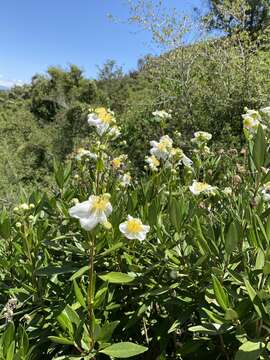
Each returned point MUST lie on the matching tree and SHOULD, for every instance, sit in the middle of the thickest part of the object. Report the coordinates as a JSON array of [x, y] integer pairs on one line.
[[229, 15], [110, 71]]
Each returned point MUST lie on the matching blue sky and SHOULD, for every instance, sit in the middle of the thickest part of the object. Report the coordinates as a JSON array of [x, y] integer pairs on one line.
[[37, 34]]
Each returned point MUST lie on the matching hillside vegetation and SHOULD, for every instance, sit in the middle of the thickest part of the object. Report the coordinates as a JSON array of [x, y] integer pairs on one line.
[[204, 86], [135, 218]]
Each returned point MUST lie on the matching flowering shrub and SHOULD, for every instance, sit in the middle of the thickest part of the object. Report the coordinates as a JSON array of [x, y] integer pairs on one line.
[[173, 264]]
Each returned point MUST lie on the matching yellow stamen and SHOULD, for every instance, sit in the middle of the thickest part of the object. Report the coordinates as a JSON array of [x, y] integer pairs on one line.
[[104, 115], [100, 203], [134, 226]]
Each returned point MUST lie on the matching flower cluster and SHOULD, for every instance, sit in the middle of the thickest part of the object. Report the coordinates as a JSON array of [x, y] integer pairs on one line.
[[162, 114], [198, 188], [163, 150], [24, 207], [104, 122], [125, 179], [9, 308], [152, 162], [83, 153], [118, 161], [201, 138], [96, 210]]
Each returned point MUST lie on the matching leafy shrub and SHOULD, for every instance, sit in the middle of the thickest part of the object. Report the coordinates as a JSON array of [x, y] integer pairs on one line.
[[185, 275]]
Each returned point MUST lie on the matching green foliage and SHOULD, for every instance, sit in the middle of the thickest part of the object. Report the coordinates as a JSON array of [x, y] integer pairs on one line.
[[250, 15], [196, 288]]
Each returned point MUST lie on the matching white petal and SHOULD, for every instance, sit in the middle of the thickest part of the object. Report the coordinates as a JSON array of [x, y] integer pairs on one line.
[[80, 210], [109, 209], [88, 223], [123, 227], [141, 236], [130, 236], [146, 228], [186, 161], [102, 128], [154, 143], [93, 120]]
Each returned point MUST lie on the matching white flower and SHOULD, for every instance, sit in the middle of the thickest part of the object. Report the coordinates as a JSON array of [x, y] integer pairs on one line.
[[133, 228], [201, 137], [251, 121], [92, 212], [118, 161], [227, 190], [178, 155], [162, 114], [125, 180], [114, 133], [252, 113], [162, 149], [102, 119], [265, 191], [200, 187], [250, 124], [153, 162], [186, 161], [80, 153]]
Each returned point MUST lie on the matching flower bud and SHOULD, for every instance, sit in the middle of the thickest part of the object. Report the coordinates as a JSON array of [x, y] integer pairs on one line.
[[237, 179], [107, 225], [24, 207]]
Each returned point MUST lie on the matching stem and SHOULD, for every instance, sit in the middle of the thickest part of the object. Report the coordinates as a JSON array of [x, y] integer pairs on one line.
[[90, 299], [223, 347]]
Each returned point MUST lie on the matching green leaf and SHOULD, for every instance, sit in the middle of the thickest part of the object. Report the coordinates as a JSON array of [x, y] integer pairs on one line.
[[78, 294], [174, 326], [124, 350], [253, 297], [111, 249], [250, 350], [175, 213], [99, 165], [266, 268], [79, 273], [106, 331], [231, 238], [260, 260], [117, 278], [61, 340], [201, 242], [220, 294], [231, 315], [55, 270], [211, 328], [65, 322], [23, 340], [5, 228], [10, 352], [8, 337], [259, 149]]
